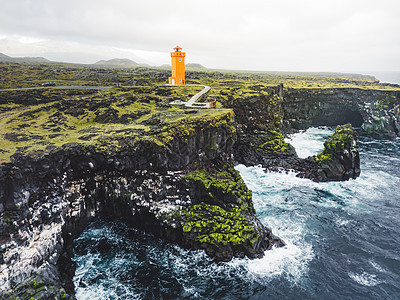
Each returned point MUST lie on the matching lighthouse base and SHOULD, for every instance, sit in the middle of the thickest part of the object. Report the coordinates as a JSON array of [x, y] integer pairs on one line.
[[176, 81]]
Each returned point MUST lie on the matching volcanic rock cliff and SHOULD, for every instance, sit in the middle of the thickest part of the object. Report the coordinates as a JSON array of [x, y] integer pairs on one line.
[[71, 156], [176, 180]]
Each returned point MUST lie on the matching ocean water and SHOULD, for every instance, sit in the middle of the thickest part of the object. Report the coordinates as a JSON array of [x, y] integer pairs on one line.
[[342, 238], [387, 77]]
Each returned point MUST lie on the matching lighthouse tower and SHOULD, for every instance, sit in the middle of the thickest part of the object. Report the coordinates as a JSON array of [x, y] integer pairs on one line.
[[177, 67]]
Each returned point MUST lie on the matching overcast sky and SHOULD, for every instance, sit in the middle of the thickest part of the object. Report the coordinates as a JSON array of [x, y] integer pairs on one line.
[[278, 35]]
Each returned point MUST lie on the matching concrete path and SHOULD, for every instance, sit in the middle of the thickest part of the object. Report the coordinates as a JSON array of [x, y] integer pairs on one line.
[[192, 101]]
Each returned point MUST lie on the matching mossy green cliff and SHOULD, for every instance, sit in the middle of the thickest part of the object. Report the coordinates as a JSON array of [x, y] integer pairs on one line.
[[68, 156], [223, 221]]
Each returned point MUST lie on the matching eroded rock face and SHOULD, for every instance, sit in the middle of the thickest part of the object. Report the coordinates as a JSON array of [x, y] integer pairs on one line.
[[259, 138], [340, 159], [31, 241], [375, 111]]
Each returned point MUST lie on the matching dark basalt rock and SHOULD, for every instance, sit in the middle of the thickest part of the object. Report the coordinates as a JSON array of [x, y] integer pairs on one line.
[[255, 145], [261, 120], [340, 159]]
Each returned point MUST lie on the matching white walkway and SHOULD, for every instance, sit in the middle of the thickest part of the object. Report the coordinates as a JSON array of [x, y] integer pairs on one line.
[[192, 101]]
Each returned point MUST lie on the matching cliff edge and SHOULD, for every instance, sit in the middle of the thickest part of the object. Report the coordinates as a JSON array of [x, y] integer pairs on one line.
[[71, 156]]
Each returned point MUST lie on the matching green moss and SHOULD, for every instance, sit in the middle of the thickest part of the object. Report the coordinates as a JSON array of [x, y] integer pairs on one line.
[[214, 225], [342, 136], [275, 143], [223, 216], [35, 287], [35, 283], [386, 102], [51, 117], [322, 158], [109, 121], [222, 185]]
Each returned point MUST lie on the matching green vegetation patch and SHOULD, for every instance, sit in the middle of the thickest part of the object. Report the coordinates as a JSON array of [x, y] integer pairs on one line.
[[223, 186], [386, 103], [275, 143], [35, 287], [214, 225], [222, 216], [342, 136]]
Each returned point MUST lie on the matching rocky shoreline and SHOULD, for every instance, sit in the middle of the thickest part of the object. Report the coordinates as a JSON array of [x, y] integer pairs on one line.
[[185, 190], [170, 190]]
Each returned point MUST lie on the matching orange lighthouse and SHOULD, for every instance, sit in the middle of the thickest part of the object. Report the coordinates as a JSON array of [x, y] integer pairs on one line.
[[177, 67]]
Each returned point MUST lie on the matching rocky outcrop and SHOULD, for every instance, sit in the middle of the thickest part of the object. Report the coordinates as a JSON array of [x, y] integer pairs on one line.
[[340, 159], [177, 182], [260, 140], [169, 189]]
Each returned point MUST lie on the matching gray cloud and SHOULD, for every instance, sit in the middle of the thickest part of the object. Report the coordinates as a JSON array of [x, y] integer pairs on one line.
[[311, 35]]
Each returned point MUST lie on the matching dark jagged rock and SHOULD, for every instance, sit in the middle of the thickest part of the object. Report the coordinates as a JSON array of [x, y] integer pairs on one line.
[[223, 221], [340, 159], [172, 179], [38, 287], [258, 120]]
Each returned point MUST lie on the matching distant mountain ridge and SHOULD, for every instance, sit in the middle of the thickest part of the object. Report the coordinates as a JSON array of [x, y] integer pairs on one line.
[[195, 67], [128, 63], [189, 66], [6, 58], [119, 62]]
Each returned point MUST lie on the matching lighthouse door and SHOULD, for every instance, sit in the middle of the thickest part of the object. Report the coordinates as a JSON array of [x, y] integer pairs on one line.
[[173, 81]]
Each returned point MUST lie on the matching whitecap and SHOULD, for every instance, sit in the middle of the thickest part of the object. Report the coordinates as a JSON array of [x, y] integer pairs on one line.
[[364, 278], [376, 266], [270, 190], [341, 222], [290, 262]]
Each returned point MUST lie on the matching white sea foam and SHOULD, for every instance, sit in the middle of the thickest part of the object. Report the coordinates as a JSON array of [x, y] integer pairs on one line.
[[309, 142], [364, 278], [284, 190], [376, 266], [277, 211], [288, 205], [342, 222], [290, 262], [279, 201]]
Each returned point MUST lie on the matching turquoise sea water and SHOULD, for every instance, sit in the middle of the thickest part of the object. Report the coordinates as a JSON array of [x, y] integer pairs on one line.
[[342, 241]]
